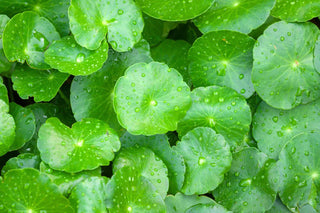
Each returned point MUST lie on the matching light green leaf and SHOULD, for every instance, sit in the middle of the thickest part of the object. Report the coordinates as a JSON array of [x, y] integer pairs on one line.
[[3, 92], [223, 58], [5, 65], [178, 10], [26, 37], [147, 163], [317, 55], [207, 156], [283, 72], [151, 98], [7, 128], [222, 109], [91, 20], [25, 160], [89, 144], [69, 57], [43, 85], [26, 190], [207, 208], [246, 187]]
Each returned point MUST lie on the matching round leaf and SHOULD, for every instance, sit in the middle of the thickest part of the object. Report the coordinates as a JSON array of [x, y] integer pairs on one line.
[[297, 173], [206, 208], [207, 156], [88, 145], [25, 125], [26, 37], [5, 65], [160, 146], [92, 96], [272, 128], [175, 55], [297, 10], [317, 55], [26, 160], [147, 163], [3, 92], [135, 193], [177, 10], [151, 98], [246, 187], [236, 15], [26, 190], [283, 72], [43, 85], [121, 20], [223, 58], [74, 59], [220, 108], [94, 190], [7, 128]]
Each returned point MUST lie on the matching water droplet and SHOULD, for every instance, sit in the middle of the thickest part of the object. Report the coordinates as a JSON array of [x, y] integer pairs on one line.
[[275, 119], [120, 12], [80, 57]]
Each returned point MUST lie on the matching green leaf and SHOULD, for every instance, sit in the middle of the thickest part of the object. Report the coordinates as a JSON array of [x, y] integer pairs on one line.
[[220, 108], [283, 72], [69, 57], [43, 85], [278, 207], [207, 156], [160, 146], [296, 11], [94, 190], [92, 95], [25, 125], [26, 160], [180, 202], [91, 20], [236, 15], [151, 98], [147, 164], [135, 193], [56, 13], [204, 208], [5, 65], [25, 38], [317, 55], [223, 58], [67, 181], [89, 144], [272, 128], [246, 181], [178, 10], [3, 92], [175, 55], [297, 173], [7, 128], [26, 190]]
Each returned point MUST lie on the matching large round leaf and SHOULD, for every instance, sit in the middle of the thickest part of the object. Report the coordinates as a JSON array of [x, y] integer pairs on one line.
[[89, 144], [69, 57], [135, 193], [207, 156], [5, 65], [92, 96], [223, 58], [236, 15], [91, 20], [272, 128], [26, 37], [26, 190], [283, 72], [246, 187], [151, 98], [297, 173], [175, 55], [25, 160], [57, 13], [94, 200], [43, 85], [147, 163], [296, 10], [7, 128], [220, 108], [159, 144], [174, 10], [25, 125]]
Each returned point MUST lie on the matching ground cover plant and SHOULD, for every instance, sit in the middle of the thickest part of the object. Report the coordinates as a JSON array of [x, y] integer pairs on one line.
[[178, 106]]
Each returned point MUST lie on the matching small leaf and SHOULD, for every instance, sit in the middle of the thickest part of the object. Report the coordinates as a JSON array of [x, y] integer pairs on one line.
[[5, 65], [25, 160], [202, 208], [7, 128], [89, 144]]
